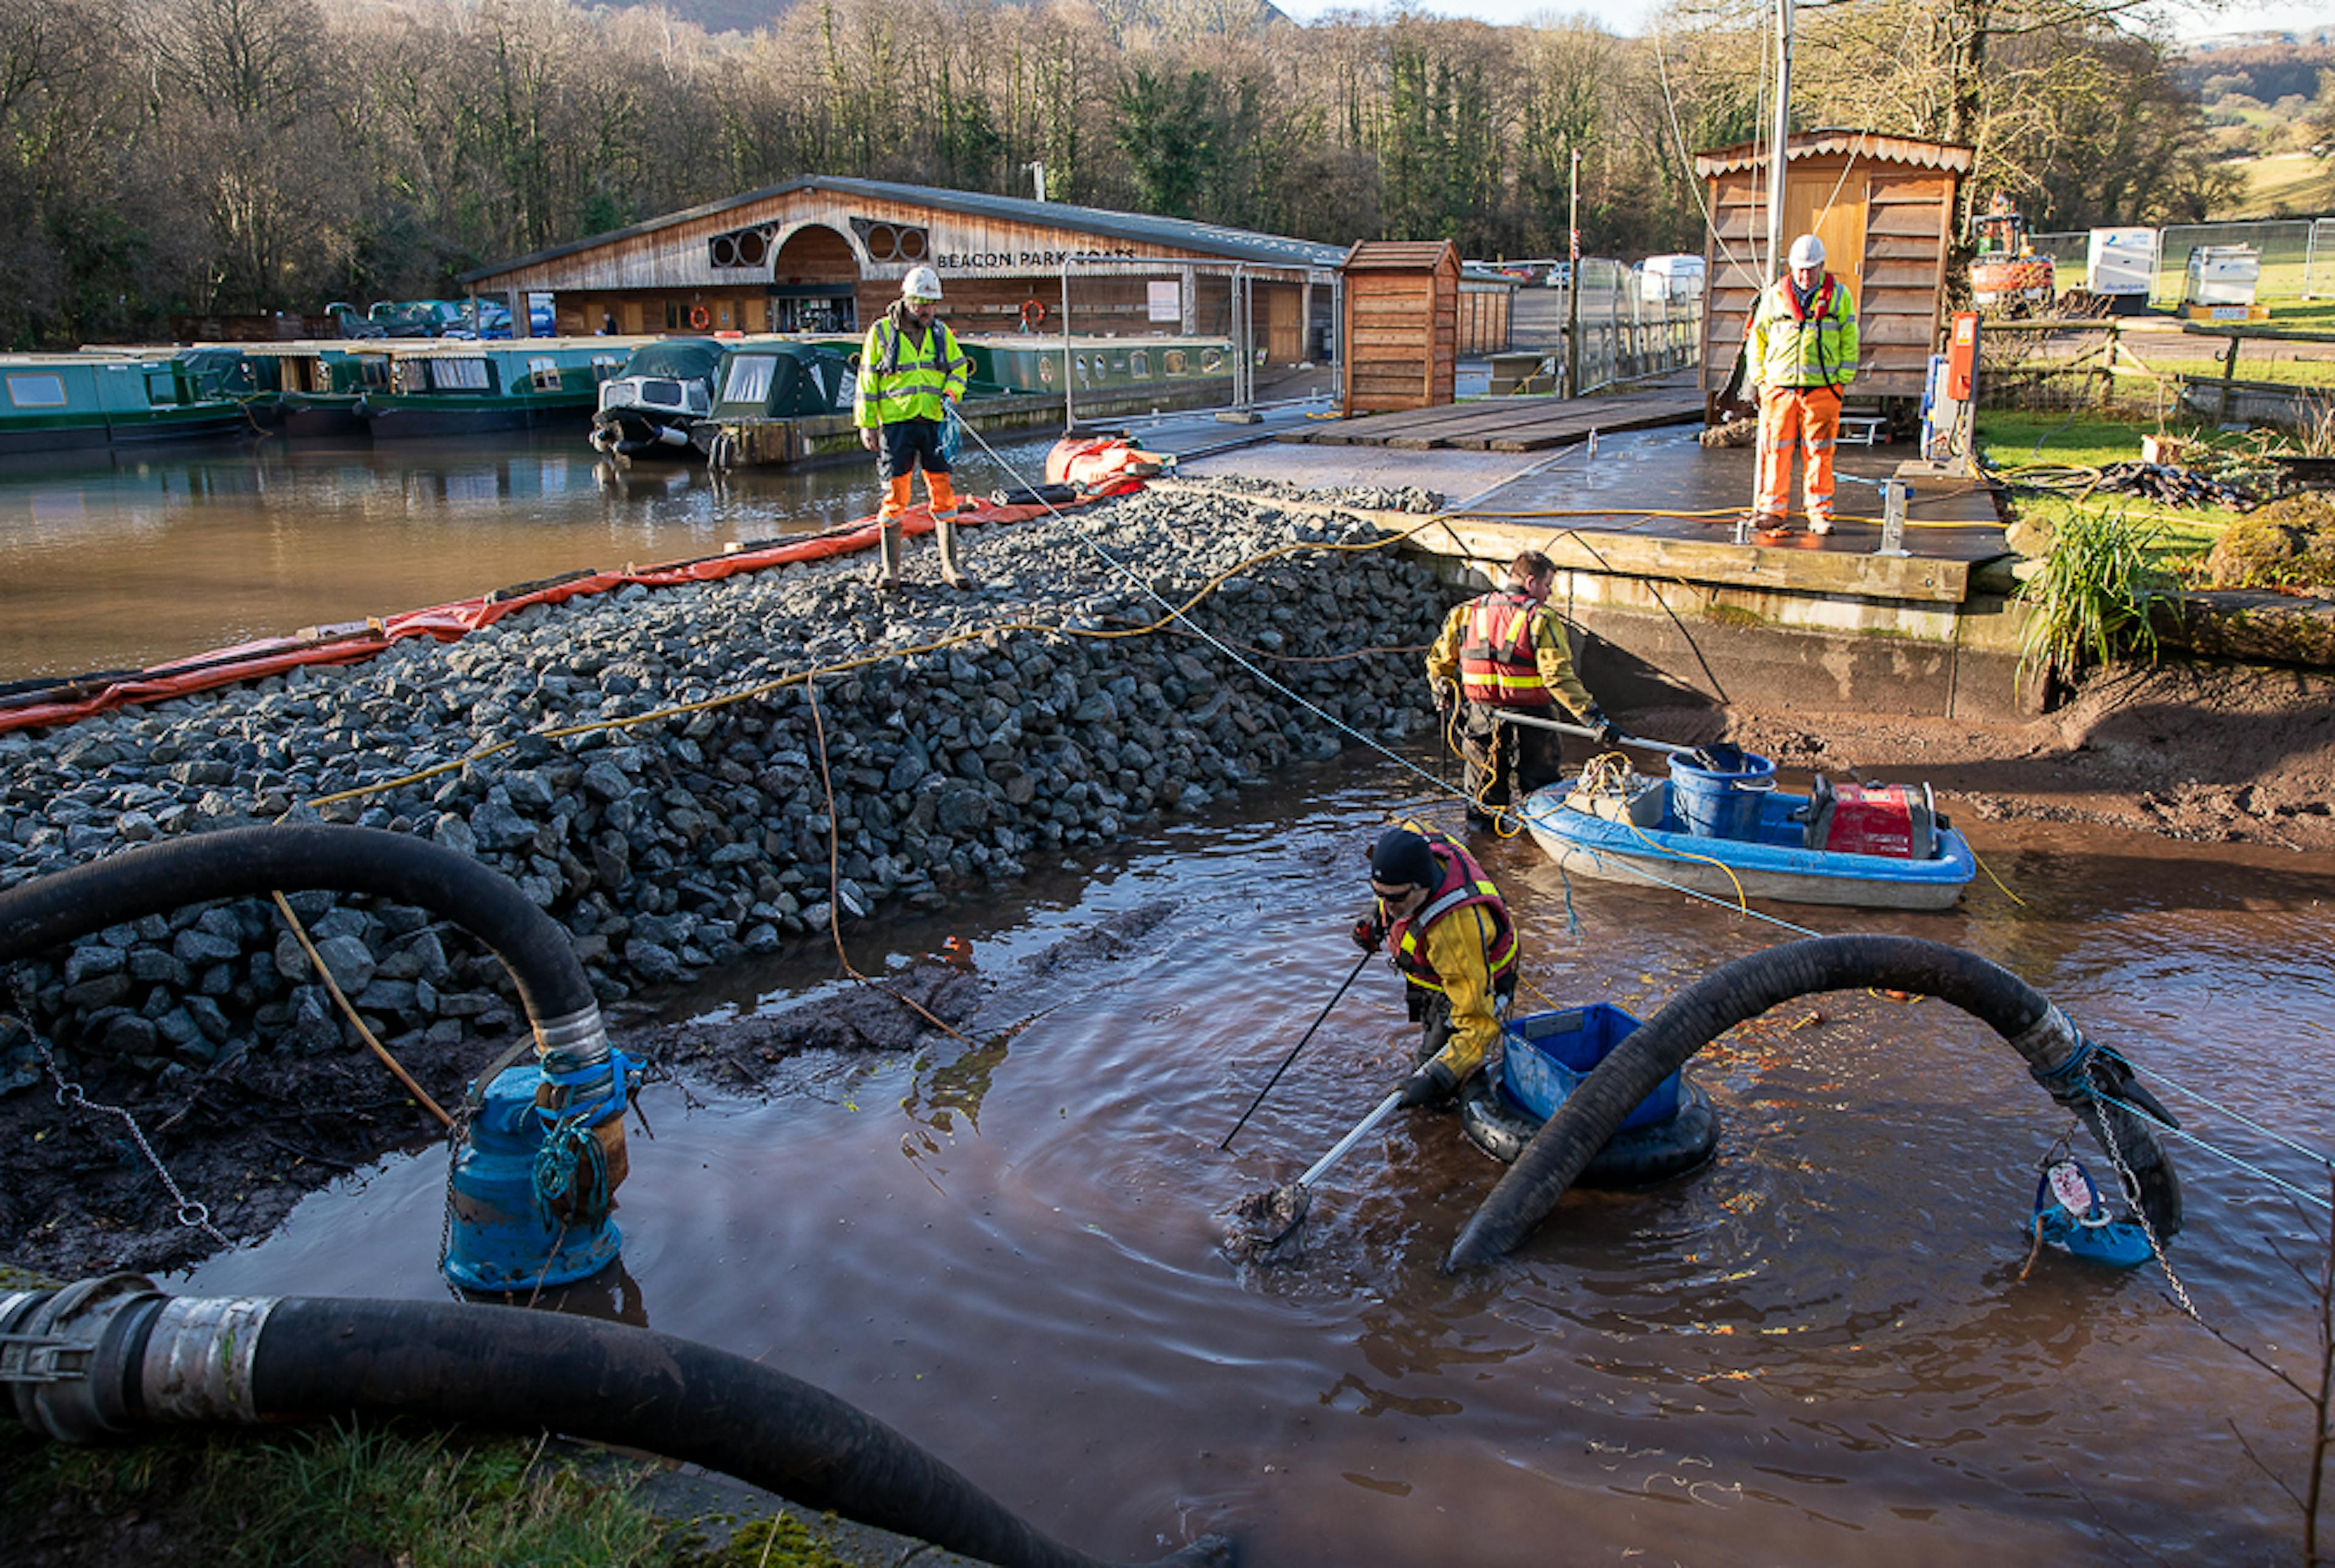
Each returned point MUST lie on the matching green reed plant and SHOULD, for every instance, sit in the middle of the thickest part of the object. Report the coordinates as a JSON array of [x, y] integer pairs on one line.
[[2092, 602]]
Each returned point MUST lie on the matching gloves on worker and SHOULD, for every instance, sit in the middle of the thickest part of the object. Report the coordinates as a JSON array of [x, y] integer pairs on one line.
[[1432, 1084], [1369, 932], [1606, 730], [1446, 699]]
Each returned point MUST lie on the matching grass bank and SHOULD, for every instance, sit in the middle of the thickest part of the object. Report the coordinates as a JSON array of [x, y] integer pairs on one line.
[[2051, 459], [355, 1497]]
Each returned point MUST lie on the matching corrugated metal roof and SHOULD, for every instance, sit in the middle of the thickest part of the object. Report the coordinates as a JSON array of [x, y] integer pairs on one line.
[[1400, 254], [1867, 146], [1233, 244]]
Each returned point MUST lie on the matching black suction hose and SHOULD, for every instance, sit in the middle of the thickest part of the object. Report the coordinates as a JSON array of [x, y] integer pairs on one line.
[[2060, 1058], [248, 862], [128, 1357]]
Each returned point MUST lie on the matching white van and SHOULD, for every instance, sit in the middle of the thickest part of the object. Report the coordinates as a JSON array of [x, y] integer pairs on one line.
[[1671, 279]]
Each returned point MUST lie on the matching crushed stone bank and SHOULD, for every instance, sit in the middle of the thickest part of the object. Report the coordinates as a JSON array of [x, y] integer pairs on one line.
[[668, 849]]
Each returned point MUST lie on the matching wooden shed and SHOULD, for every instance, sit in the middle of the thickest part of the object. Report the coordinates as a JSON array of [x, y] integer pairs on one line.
[[1402, 324], [1883, 207]]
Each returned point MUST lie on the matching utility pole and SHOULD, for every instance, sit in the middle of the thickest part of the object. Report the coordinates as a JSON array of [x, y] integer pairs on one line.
[[1777, 140], [1572, 282]]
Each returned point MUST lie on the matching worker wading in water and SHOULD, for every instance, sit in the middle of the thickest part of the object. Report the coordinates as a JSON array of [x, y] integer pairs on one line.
[[1447, 932], [911, 375], [1803, 350], [1504, 650]]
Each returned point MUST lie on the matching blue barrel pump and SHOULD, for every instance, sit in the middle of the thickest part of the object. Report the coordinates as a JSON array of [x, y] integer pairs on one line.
[[530, 1198]]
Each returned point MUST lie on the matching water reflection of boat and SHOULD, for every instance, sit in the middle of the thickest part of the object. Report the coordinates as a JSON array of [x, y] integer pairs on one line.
[[49, 402]]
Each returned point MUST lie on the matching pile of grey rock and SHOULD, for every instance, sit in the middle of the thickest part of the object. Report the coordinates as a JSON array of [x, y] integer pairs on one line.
[[675, 846]]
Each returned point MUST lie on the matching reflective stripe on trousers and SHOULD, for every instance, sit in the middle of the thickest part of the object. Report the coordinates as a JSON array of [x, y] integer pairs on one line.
[[1792, 420]]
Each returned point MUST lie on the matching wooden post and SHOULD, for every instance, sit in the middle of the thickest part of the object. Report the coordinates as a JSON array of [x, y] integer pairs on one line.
[[2229, 370]]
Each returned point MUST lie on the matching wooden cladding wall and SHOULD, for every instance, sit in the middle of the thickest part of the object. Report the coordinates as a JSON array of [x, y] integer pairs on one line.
[[1403, 326], [1907, 229], [959, 246]]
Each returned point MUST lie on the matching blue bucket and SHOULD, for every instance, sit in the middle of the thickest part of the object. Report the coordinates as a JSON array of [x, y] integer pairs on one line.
[[1545, 1055], [1716, 805]]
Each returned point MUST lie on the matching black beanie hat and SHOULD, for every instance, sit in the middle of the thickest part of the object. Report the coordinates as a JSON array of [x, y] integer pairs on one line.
[[1403, 860]]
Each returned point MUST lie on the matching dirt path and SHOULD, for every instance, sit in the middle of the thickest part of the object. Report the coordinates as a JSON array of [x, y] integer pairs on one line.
[[2194, 751]]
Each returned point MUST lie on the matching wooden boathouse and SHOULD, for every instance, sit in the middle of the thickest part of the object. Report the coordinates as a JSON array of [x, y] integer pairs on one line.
[[821, 254], [1883, 207]]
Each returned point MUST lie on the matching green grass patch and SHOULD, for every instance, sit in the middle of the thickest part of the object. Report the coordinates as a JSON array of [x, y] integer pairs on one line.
[[2045, 445], [2305, 314], [342, 1495]]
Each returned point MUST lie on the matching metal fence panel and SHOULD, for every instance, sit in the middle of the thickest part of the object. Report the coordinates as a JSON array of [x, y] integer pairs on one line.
[[2298, 254]]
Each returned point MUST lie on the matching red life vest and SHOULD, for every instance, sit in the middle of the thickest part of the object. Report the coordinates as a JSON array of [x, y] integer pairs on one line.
[[1464, 885], [1496, 664]]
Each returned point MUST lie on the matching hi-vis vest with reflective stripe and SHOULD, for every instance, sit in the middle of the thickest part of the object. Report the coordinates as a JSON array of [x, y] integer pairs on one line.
[[1797, 347], [1496, 664], [1464, 887], [898, 381]]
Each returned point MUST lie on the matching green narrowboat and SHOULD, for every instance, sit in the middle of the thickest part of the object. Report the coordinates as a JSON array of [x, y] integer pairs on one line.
[[109, 398], [459, 388], [1032, 362]]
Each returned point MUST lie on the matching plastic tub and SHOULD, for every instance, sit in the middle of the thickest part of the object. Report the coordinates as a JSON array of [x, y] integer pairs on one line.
[[1721, 805], [1545, 1055]]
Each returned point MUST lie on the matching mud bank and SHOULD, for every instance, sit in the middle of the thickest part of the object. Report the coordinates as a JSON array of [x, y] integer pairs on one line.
[[1051, 721], [2206, 751]]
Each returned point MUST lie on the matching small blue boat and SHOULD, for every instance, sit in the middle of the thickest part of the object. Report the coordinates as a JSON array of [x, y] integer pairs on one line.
[[1770, 862]]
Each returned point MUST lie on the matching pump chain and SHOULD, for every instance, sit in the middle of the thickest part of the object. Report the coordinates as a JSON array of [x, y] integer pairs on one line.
[[2102, 1104], [193, 1216]]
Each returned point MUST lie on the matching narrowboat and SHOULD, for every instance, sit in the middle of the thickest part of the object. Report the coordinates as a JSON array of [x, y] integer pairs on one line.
[[317, 386], [1030, 362], [463, 388], [109, 397]]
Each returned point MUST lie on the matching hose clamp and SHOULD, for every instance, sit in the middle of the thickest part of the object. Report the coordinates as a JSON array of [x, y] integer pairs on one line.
[[62, 1354], [199, 1360], [573, 1043], [2056, 1055]]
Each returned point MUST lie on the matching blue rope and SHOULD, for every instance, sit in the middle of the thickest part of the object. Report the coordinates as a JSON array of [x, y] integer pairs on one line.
[[2222, 1153], [570, 1173], [2240, 1116]]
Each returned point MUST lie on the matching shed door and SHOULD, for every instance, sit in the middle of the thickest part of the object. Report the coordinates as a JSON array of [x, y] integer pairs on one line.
[[1840, 225], [1285, 327]]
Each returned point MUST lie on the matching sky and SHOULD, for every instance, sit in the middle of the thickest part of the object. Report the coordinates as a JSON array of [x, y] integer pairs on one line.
[[1633, 16]]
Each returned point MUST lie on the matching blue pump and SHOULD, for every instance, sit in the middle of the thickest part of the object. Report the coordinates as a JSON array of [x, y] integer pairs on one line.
[[521, 1169]]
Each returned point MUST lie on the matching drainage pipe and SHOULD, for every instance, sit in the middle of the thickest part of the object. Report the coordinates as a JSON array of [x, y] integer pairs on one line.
[[2078, 1074], [111, 1355], [248, 862]]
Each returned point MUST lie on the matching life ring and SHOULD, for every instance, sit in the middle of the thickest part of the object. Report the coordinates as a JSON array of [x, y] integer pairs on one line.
[[1033, 314], [1638, 1158], [700, 318]]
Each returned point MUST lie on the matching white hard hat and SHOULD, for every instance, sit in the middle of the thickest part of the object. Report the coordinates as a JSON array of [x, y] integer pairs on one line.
[[922, 283], [1807, 251]]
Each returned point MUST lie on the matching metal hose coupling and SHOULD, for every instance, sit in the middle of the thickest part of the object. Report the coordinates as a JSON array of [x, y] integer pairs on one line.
[[105, 1355], [583, 1078], [2073, 1069]]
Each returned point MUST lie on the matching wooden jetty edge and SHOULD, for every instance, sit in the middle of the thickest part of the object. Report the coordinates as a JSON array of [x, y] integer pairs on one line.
[[1509, 424]]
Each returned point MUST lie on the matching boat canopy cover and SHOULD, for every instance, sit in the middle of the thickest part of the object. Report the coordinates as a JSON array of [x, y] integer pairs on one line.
[[781, 381], [679, 358]]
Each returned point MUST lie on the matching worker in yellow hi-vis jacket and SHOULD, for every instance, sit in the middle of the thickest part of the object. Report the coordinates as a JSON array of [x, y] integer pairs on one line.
[[911, 373]]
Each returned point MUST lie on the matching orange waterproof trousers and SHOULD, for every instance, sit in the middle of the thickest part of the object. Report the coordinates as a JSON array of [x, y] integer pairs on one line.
[[1793, 421]]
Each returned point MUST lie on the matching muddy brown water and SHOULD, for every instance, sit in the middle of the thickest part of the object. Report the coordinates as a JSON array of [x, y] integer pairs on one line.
[[1817, 1350], [112, 561]]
